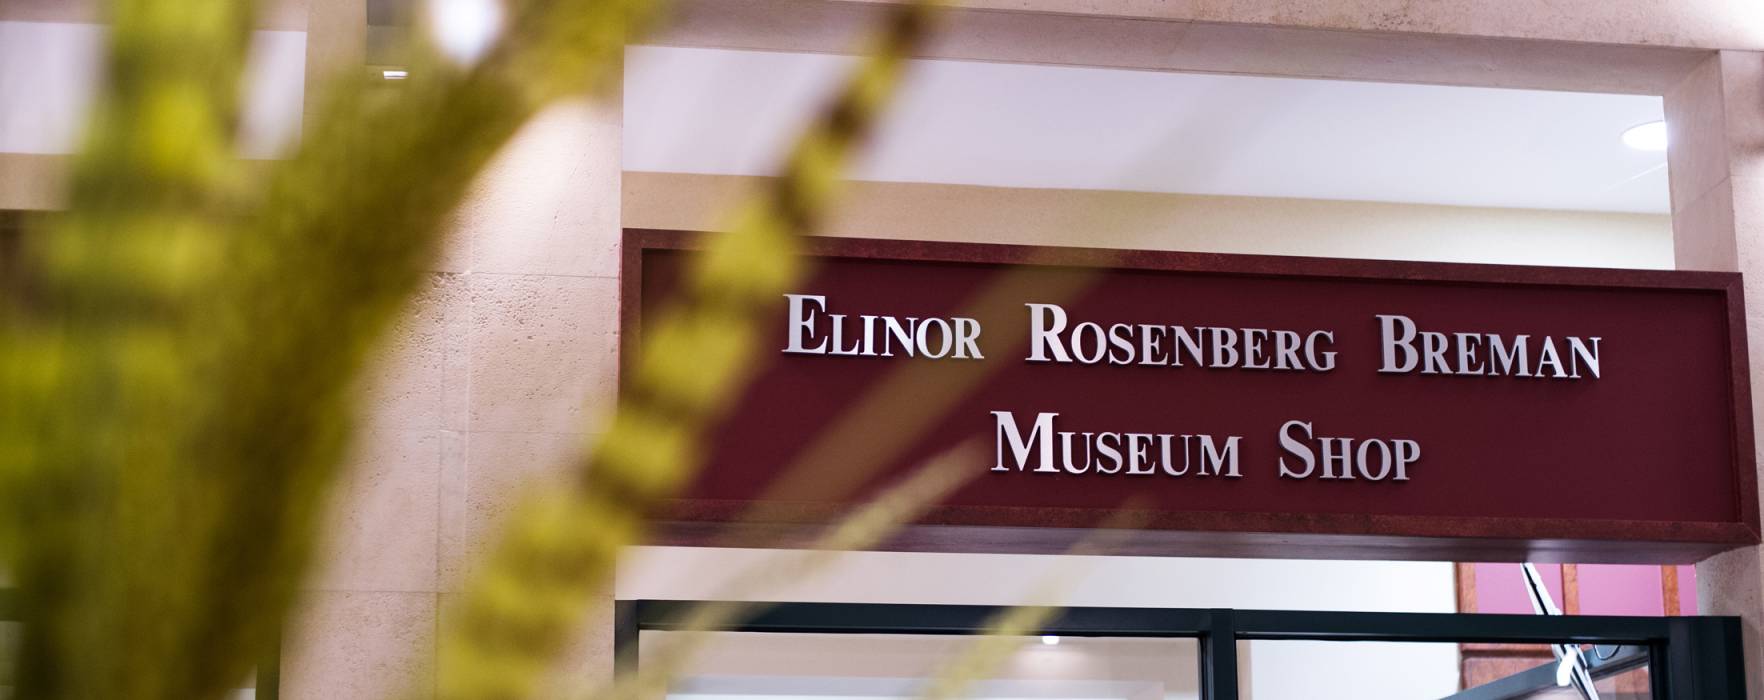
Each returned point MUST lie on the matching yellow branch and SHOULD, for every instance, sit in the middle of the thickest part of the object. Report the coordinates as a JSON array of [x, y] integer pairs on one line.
[[534, 591]]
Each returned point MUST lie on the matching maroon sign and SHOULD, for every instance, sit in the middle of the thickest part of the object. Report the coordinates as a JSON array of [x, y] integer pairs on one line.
[[1236, 405]]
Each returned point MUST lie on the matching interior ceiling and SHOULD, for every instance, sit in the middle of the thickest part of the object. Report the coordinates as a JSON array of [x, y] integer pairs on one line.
[[729, 112]]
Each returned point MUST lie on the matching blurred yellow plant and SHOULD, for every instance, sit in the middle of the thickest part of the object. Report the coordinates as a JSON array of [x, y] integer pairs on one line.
[[863, 529], [534, 589], [177, 358]]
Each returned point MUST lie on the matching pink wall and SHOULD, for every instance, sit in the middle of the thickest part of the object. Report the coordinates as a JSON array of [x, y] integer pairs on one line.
[[1605, 589], [1500, 588]]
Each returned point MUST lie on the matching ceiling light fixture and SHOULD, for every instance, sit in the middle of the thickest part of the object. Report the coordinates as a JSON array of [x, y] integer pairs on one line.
[[465, 29], [1050, 639], [394, 74], [1646, 137]]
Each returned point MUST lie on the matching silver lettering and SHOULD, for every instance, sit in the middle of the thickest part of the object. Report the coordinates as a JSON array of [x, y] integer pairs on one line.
[[1297, 449], [1579, 353], [802, 323], [1045, 323], [1039, 436], [1215, 458], [1397, 334]]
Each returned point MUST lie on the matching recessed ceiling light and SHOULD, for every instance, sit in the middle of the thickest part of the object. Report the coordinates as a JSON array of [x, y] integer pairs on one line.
[[395, 74], [1646, 137], [1050, 639]]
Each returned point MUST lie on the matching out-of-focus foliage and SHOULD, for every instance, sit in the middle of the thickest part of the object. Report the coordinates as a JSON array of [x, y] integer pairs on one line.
[[861, 530], [534, 590], [114, 528], [177, 349]]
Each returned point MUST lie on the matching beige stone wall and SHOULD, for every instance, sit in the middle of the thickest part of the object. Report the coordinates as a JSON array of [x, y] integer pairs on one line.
[[489, 386], [1717, 163]]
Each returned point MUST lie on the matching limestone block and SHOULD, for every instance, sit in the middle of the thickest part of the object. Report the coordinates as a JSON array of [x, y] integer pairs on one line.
[[360, 645], [543, 351], [416, 375], [548, 204], [1696, 126], [496, 470], [381, 533]]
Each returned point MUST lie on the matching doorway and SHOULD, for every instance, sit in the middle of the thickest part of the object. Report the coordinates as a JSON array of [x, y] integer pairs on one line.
[[903, 646]]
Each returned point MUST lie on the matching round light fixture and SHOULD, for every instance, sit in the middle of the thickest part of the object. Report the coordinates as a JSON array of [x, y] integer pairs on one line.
[[465, 29], [1050, 639], [1646, 137]]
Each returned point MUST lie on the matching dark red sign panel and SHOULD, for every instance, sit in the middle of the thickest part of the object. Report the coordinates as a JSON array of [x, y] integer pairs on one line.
[[1237, 405]]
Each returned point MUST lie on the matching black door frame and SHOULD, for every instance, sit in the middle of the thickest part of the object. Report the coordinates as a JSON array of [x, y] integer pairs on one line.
[[1690, 658]]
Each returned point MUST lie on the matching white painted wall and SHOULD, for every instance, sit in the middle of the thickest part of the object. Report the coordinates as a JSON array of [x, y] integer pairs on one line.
[[1196, 223], [1028, 125], [750, 666], [50, 71]]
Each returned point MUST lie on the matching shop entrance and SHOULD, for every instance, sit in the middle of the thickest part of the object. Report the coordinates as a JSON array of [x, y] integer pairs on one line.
[[1263, 418], [1662, 658]]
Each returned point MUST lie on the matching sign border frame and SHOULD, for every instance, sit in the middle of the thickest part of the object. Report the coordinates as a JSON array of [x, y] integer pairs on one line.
[[1238, 534]]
